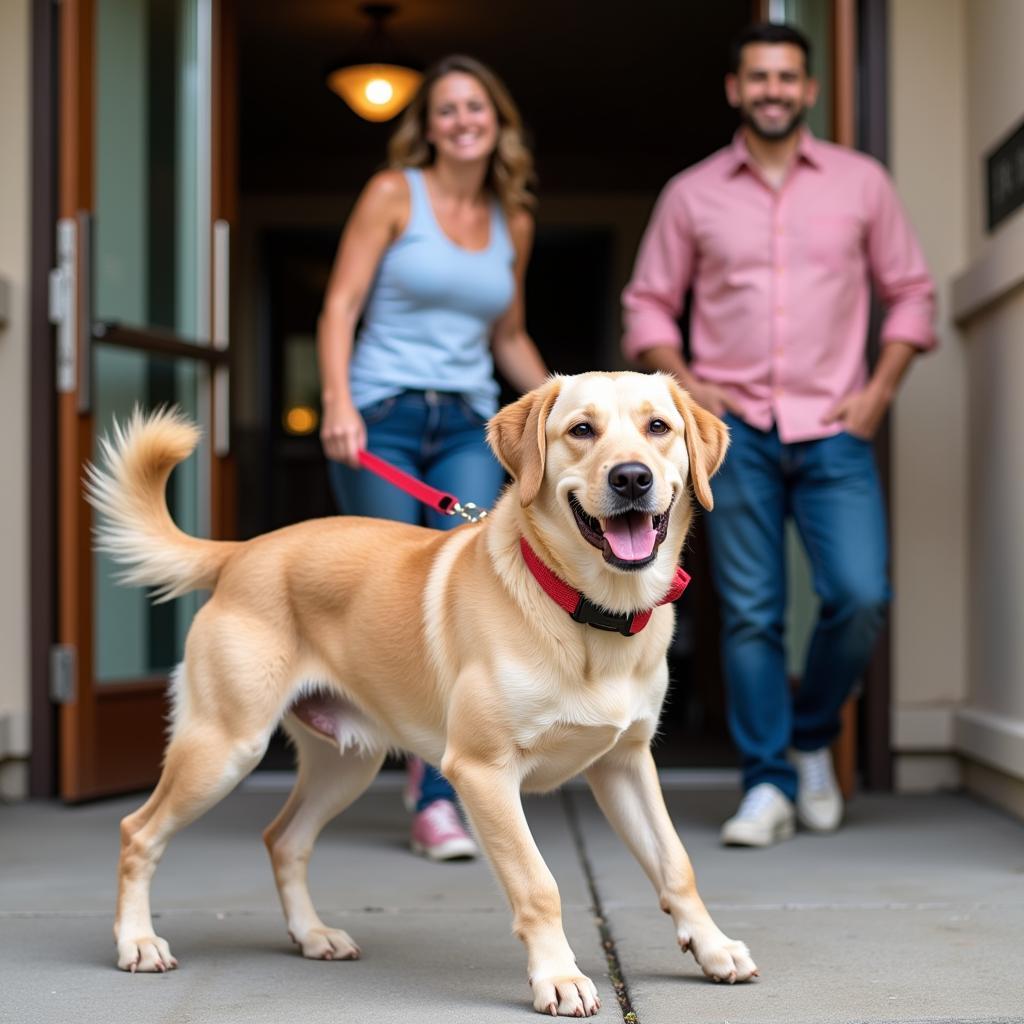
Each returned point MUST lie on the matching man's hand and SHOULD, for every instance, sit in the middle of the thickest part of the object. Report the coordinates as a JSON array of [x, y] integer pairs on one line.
[[861, 413], [710, 396]]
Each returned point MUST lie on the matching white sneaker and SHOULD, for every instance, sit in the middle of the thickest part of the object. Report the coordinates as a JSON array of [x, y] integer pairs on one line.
[[765, 816], [819, 804]]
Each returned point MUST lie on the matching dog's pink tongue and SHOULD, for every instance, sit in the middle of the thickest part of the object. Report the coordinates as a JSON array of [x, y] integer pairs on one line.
[[631, 537]]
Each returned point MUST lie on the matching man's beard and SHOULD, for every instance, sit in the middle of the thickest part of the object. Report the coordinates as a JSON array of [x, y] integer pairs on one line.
[[784, 131]]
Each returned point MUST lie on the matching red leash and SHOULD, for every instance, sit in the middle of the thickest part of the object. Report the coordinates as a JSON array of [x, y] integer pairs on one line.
[[446, 504]]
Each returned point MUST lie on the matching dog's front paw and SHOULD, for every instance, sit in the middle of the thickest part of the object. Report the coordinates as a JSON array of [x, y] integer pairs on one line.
[[721, 958], [572, 995], [327, 944], [148, 954]]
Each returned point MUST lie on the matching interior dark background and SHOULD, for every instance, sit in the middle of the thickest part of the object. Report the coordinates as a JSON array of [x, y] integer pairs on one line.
[[616, 99]]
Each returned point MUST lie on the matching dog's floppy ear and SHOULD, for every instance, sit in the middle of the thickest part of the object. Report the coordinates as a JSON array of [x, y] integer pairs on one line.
[[707, 439], [516, 434]]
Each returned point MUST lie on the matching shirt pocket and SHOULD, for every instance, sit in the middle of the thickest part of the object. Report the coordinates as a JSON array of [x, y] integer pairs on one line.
[[835, 241]]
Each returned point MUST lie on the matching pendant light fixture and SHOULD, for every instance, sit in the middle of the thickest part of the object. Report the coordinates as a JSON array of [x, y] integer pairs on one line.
[[375, 81]]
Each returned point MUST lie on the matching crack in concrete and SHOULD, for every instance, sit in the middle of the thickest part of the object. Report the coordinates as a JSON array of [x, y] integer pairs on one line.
[[615, 973]]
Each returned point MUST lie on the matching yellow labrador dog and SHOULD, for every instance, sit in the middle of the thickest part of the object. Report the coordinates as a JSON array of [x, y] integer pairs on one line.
[[464, 647]]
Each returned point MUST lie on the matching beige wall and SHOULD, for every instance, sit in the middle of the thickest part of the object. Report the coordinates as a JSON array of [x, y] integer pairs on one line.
[[959, 657], [990, 305], [928, 142], [14, 347]]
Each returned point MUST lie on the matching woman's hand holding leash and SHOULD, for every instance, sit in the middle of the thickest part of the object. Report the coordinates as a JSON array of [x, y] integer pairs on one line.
[[343, 433]]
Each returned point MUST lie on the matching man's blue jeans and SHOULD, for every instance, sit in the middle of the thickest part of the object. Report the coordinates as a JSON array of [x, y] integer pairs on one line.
[[830, 487], [437, 437]]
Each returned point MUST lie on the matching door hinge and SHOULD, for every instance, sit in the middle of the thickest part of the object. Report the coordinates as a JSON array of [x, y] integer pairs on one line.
[[63, 687]]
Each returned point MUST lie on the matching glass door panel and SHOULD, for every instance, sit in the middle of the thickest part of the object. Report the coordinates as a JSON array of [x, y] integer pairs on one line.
[[815, 19], [134, 639], [151, 166], [151, 265]]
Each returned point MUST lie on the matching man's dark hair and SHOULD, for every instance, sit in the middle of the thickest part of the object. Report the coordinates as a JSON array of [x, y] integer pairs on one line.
[[768, 32]]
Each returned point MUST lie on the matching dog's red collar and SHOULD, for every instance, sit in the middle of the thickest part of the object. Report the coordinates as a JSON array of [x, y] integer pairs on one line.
[[583, 610]]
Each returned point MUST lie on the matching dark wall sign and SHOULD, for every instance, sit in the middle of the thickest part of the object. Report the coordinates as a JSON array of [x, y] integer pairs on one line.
[[1005, 166]]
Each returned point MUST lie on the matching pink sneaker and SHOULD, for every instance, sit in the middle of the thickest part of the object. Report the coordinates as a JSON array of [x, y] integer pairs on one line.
[[413, 782], [437, 833]]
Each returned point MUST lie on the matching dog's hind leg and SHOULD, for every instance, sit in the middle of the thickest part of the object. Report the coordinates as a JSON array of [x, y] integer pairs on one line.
[[327, 783], [205, 760]]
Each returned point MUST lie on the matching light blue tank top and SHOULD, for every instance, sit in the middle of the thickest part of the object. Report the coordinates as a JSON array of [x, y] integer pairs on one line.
[[428, 317]]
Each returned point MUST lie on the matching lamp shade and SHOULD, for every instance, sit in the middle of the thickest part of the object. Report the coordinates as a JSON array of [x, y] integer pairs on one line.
[[376, 92]]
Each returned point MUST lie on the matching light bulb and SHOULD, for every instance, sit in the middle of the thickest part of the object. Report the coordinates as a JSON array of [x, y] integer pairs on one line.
[[379, 91]]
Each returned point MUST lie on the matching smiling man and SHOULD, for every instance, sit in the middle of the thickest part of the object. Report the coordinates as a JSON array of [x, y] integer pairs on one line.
[[780, 236]]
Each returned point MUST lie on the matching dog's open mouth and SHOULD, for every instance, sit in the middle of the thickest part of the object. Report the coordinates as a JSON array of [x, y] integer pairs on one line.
[[629, 540]]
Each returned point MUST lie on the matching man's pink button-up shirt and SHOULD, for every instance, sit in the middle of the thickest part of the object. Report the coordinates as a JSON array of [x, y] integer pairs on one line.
[[781, 280]]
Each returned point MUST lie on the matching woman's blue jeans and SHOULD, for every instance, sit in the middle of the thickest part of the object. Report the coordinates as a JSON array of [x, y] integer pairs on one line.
[[437, 437], [831, 489]]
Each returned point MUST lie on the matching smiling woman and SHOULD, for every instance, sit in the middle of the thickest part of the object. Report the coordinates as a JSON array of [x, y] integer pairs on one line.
[[431, 264]]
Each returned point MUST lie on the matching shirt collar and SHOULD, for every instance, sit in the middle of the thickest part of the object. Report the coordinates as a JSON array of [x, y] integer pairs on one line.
[[808, 150]]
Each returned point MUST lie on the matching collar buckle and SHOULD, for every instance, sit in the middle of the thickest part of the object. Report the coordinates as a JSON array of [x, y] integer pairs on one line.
[[596, 616]]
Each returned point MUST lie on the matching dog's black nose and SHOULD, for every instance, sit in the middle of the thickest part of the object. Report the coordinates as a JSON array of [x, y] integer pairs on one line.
[[630, 479]]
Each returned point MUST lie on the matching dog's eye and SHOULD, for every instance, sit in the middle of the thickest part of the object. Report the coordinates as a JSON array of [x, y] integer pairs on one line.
[[582, 430], [658, 427]]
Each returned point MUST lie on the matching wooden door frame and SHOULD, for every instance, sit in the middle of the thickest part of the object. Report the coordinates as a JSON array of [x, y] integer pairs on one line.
[[76, 717], [110, 737], [844, 112], [223, 212], [860, 48]]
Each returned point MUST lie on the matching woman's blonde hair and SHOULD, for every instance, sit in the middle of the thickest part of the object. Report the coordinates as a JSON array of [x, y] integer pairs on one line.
[[510, 174]]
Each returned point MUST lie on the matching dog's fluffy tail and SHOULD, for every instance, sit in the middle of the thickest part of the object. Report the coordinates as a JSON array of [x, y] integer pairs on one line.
[[135, 528]]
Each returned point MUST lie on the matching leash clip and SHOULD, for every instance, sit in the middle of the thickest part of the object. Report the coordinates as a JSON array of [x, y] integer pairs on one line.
[[471, 512]]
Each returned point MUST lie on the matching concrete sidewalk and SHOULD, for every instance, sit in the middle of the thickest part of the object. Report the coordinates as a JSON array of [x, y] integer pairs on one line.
[[913, 912]]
